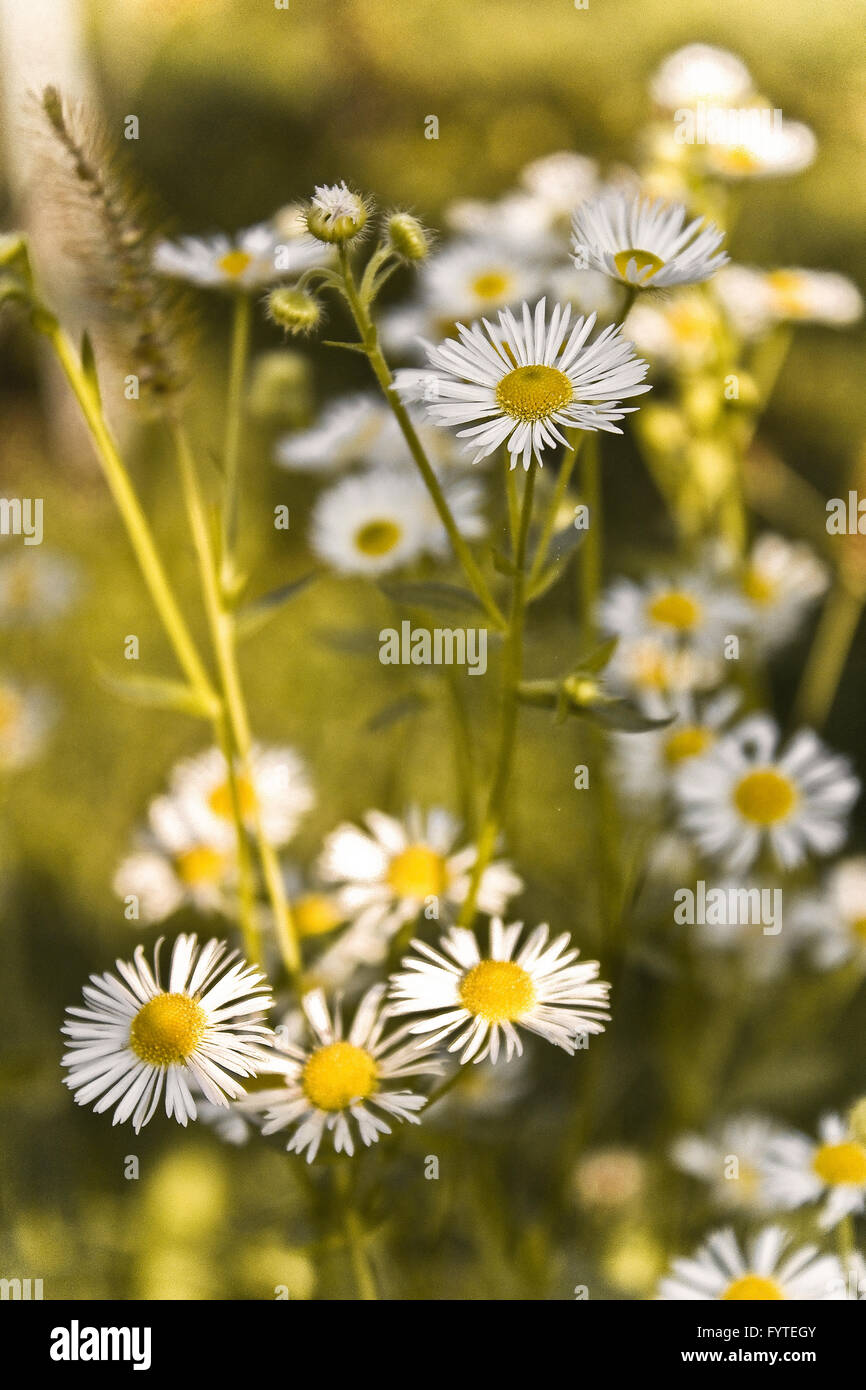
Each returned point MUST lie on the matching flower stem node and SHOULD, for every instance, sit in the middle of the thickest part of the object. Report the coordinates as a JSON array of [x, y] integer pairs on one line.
[[294, 310], [408, 237], [336, 214]]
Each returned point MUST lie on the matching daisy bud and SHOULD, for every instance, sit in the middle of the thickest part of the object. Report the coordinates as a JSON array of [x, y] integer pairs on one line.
[[336, 214], [408, 237], [294, 310]]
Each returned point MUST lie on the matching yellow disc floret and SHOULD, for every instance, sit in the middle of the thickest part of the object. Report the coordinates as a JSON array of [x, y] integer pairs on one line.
[[765, 796], [377, 537], [688, 742], [315, 913], [534, 393], [643, 260], [220, 799], [675, 609], [234, 263], [167, 1029], [491, 284], [841, 1163], [337, 1074], [418, 872], [499, 991], [200, 865], [753, 1286]]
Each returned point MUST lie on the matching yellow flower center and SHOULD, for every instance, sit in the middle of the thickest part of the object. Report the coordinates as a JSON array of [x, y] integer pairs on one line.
[[738, 159], [315, 913], [858, 928], [234, 263], [787, 290], [534, 393], [491, 284], [841, 1163], [689, 742], [643, 260], [758, 586], [688, 323], [418, 872], [677, 610], [167, 1029], [338, 1074], [377, 537], [10, 708], [220, 799], [765, 796], [753, 1286], [497, 990], [200, 865]]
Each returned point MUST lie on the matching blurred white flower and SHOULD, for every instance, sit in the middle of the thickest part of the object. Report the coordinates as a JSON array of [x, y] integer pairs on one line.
[[769, 1269], [729, 1159], [831, 1171], [700, 72]]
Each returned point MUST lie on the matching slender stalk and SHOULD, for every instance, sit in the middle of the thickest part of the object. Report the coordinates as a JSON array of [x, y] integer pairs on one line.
[[512, 668], [138, 530], [222, 629], [444, 1087], [828, 655], [370, 341], [548, 525], [238, 358], [589, 557]]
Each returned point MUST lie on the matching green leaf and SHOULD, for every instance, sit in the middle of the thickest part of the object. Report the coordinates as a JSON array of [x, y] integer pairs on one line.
[[432, 594], [404, 707], [88, 364], [597, 659], [621, 714], [157, 692], [259, 611]]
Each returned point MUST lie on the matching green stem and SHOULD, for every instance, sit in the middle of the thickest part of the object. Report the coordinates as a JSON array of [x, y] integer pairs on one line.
[[239, 356], [370, 341], [828, 655], [222, 629], [589, 557], [134, 520], [512, 668], [548, 526]]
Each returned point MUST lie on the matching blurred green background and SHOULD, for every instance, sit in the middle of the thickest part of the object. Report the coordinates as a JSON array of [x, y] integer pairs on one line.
[[242, 108]]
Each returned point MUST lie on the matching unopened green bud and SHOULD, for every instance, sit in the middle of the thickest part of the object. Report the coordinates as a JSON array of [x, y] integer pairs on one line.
[[408, 238], [336, 214], [294, 310]]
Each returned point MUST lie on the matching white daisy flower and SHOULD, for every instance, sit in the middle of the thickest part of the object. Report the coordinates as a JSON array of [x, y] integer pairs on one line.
[[518, 222], [136, 1039], [832, 923], [252, 257], [781, 580], [692, 610], [385, 519], [754, 299], [389, 872], [527, 381], [680, 333], [34, 588], [161, 881], [833, 1171], [335, 213], [26, 715], [729, 1160], [472, 278], [646, 243], [658, 672], [560, 181], [761, 149], [342, 1082], [700, 72], [645, 764], [745, 795], [768, 1270], [486, 1000], [275, 789]]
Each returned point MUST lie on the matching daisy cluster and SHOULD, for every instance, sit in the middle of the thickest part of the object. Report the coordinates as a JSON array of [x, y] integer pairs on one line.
[[584, 302]]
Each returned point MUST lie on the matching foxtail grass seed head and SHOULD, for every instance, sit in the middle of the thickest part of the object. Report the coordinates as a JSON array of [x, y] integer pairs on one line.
[[335, 214], [408, 237], [297, 311]]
